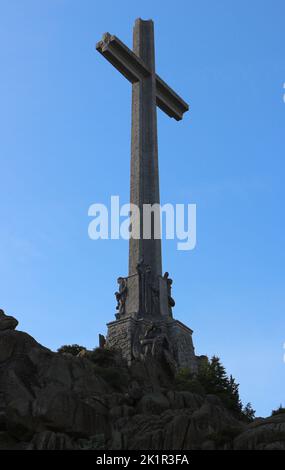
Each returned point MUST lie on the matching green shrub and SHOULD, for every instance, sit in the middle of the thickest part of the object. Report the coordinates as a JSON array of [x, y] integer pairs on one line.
[[73, 349], [186, 381], [103, 357], [279, 411]]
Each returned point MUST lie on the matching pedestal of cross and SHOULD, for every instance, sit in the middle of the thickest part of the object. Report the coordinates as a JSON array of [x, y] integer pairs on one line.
[[144, 301]]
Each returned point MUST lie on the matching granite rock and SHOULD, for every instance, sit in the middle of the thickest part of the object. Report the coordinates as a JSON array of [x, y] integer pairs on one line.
[[53, 401]]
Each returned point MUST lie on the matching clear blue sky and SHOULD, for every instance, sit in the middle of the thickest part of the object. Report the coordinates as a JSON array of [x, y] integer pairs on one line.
[[65, 144]]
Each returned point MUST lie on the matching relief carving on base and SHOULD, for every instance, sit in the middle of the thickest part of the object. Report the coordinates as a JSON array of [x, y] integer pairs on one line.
[[153, 342]]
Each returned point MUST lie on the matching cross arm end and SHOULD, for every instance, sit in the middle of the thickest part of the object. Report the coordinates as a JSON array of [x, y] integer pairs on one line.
[[122, 58], [169, 101]]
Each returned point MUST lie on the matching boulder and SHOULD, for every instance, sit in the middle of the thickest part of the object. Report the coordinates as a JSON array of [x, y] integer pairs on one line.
[[176, 433], [21, 424], [63, 411], [263, 434], [153, 403], [15, 343], [179, 400], [6, 322]]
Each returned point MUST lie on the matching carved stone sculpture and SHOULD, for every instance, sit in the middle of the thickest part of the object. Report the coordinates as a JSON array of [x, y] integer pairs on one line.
[[171, 301], [121, 296]]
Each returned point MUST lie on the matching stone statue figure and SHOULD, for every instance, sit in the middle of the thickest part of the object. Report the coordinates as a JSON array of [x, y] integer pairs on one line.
[[155, 308], [144, 272], [121, 296], [149, 292], [155, 344], [171, 301]]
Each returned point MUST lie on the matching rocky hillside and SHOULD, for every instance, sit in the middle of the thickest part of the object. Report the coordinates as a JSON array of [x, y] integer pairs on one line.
[[94, 401]]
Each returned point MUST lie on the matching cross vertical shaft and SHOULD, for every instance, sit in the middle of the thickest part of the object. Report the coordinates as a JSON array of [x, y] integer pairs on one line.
[[144, 293], [144, 186]]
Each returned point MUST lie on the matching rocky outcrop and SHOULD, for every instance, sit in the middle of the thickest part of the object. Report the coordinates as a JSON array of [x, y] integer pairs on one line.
[[95, 401], [6, 322], [42, 392], [263, 434], [187, 428]]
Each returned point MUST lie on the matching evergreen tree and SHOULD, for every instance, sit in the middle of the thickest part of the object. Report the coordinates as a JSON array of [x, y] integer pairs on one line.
[[248, 412], [214, 379]]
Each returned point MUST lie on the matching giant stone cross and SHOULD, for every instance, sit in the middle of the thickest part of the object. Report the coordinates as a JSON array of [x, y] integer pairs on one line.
[[144, 296]]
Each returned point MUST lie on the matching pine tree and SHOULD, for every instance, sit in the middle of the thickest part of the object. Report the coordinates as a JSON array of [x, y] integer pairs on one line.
[[248, 412]]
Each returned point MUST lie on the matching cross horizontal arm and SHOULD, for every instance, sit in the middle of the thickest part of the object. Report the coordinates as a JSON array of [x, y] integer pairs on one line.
[[168, 101], [134, 69], [125, 60]]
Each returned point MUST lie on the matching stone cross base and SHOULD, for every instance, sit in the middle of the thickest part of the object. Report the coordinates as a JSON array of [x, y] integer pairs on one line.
[[138, 339]]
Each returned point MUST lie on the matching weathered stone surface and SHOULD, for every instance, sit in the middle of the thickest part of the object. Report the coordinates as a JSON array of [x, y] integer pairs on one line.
[[14, 343], [153, 404], [21, 423], [180, 400], [97, 442], [7, 442], [42, 391], [52, 401], [176, 433], [122, 411], [3, 425], [48, 440], [181, 338], [6, 322], [134, 391], [63, 411], [263, 434]]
